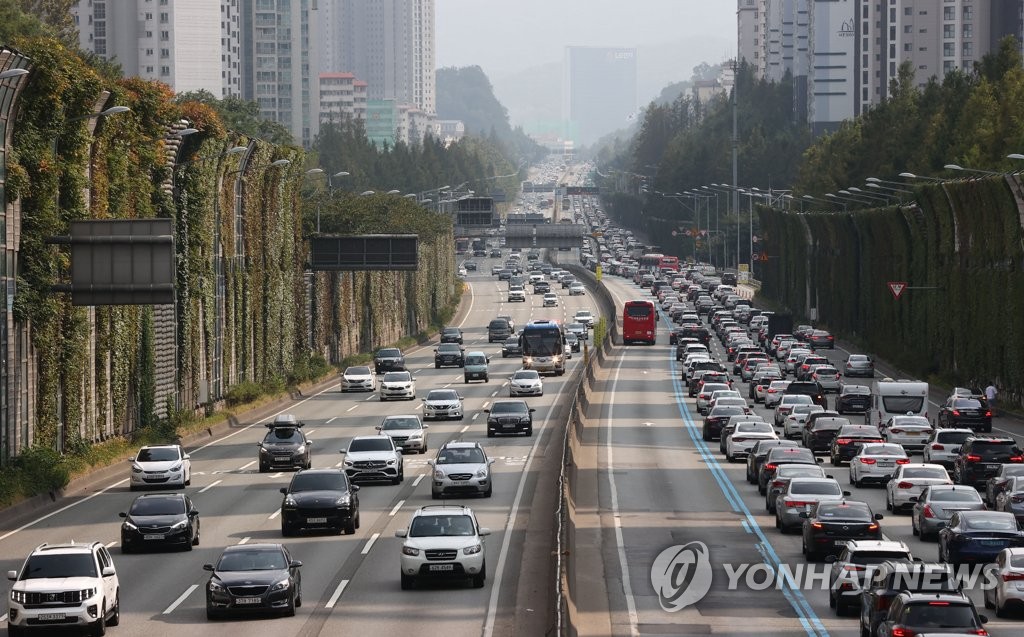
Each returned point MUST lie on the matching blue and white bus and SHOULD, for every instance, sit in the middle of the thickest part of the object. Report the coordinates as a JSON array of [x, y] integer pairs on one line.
[[543, 344]]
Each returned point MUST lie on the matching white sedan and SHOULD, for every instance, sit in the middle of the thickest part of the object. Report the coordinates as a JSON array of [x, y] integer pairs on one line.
[[793, 425], [358, 378], [161, 466], [577, 289], [397, 385], [908, 482], [910, 432], [442, 404], [1008, 574], [526, 382], [876, 462], [743, 438]]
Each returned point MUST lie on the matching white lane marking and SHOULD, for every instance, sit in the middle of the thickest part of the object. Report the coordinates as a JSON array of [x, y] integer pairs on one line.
[[396, 508], [472, 298], [351, 408], [210, 486], [329, 420], [419, 406], [494, 393], [486, 403], [111, 544], [311, 431], [418, 480], [506, 540], [183, 597], [466, 428], [246, 465], [370, 397], [337, 593], [61, 510], [277, 475], [475, 416], [3, 618], [244, 539], [627, 585], [274, 514], [369, 544]]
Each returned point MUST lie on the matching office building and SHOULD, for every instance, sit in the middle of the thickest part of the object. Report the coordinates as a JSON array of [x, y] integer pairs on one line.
[[599, 91], [390, 45], [188, 44]]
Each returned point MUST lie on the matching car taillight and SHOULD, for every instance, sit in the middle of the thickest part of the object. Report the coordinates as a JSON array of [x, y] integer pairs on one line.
[[938, 603], [778, 484], [842, 441], [873, 526], [903, 461], [905, 485], [772, 391], [849, 366], [927, 511], [1013, 577], [988, 414], [831, 338], [956, 412], [899, 631], [868, 461], [771, 467], [895, 431], [853, 568], [798, 504], [816, 525], [973, 458], [735, 439], [937, 447], [1017, 499], [1016, 458]]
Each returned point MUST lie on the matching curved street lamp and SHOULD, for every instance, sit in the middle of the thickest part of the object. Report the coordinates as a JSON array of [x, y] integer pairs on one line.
[[281, 163], [9, 73], [367, 193]]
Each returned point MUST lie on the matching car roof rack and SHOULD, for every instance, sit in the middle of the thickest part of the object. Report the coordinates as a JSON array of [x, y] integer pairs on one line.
[[284, 420]]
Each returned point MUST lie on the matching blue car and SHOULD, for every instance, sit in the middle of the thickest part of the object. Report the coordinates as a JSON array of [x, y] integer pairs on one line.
[[978, 536]]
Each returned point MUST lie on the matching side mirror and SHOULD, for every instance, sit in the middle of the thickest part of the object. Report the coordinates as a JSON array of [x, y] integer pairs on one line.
[[430, 463], [354, 487], [193, 513], [108, 571], [983, 619], [426, 426], [532, 410], [490, 461], [186, 457], [484, 531], [819, 460], [207, 567], [830, 477], [846, 494], [283, 489], [343, 452], [401, 533], [879, 516], [487, 411], [913, 498], [378, 427], [294, 564], [122, 514], [12, 575], [805, 515], [309, 443]]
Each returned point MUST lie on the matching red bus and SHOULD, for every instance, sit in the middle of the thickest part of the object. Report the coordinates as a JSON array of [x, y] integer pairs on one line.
[[669, 263], [639, 322], [651, 262]]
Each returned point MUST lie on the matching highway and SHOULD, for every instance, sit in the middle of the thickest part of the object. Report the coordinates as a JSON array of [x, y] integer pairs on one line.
[[662, 485], [350, 583]]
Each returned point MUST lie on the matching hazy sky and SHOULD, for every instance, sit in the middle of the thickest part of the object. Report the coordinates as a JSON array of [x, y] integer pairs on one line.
[[505, 36]]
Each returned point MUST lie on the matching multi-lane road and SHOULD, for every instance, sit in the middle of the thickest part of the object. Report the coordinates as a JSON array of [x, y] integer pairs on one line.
[[661, 485], [350, 583]]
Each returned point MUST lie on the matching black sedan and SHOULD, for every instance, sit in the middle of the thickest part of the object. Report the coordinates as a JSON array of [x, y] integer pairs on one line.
[[451, 335], [511, 347], [715, 421], [160, 519], [978, 536], [965, 412], [320, 499], [853, 399], [820, 338], [448, 355], [253, 578], [850, 439], [830, 525]]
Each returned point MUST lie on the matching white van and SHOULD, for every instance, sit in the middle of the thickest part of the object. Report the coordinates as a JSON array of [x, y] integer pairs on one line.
[[896, 398]]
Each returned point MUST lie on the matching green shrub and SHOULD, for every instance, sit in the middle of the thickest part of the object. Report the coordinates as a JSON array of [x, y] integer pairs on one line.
[[600, 332], [41, 470], [244, 392]]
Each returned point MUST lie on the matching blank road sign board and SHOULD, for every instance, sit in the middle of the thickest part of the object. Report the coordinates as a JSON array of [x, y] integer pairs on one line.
[[364, 252]]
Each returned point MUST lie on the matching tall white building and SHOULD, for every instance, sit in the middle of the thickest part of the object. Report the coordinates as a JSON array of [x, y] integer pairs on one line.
[[749, 22], [187, 44], [281, 63], [390, 45]]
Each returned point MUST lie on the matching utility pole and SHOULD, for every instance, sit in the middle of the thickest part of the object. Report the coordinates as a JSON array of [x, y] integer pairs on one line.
[[735, 169]]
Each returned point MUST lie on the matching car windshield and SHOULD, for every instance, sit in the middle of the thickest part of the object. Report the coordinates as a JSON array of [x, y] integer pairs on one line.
[[924, 472], [158, 454], [512, 340], [815, 488], [754, 427], [319, 482], [400, 422], [59, 566], [710, 388], [397, 377], [946, 615], [958, 495], [371, 444], [725, 410], [389, 353], [157, 506], [526, 374], [859, 390], [882, 450], [476, 360], [441, 525], [357, 371], [509, 408], [252, 560], [865, 558], [966, 403], [954, 437], [844, 511], [449, 348], [470, 455], [578, 327], [442, 394], [279, 434], [990, 522], [451, 331], [797, 399], [800, 471]]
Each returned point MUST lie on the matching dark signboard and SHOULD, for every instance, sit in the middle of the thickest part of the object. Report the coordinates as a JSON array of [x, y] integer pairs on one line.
[[364, 252]]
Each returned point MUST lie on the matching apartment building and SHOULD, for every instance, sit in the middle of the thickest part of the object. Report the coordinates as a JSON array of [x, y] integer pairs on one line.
[[342, 98], [188, 44]]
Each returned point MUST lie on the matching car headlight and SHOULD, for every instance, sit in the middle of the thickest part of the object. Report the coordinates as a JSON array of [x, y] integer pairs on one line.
[[179, 525], [473, 550], [264, 450], [528, 360], [481, 472], [348, 463], [214, 586], [438, 474], [344, 500], [391, 462], [128, 524], [176, 467], [301, 449], [416, 436], [289, 501], [136, 468], [20, 597], [283, 585], [408, 550]]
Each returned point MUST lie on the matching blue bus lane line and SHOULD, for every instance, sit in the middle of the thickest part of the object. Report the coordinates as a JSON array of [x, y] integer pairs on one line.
[[808, 618]]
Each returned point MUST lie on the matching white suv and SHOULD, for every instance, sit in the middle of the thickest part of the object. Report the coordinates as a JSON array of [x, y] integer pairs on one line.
[[585, 317], [65, 585], [461, 468], [443, 541]]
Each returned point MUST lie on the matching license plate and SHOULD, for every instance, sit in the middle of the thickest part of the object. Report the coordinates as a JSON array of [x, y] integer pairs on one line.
[[840, 542], [247, 600], [442, 567], [52, 617], [153, 536], [508, 426], [991, 542], [884, 464], [460, 481], [316, 520], [992, 466], [282, 458]]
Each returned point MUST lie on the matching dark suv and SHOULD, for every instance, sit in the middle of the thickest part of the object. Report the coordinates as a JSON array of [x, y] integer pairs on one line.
[[498, 330], [893, 577], [780, 456], [922, 613], [809, 388], [509, 417], [819, 433], [389, 359], [979, 459]]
